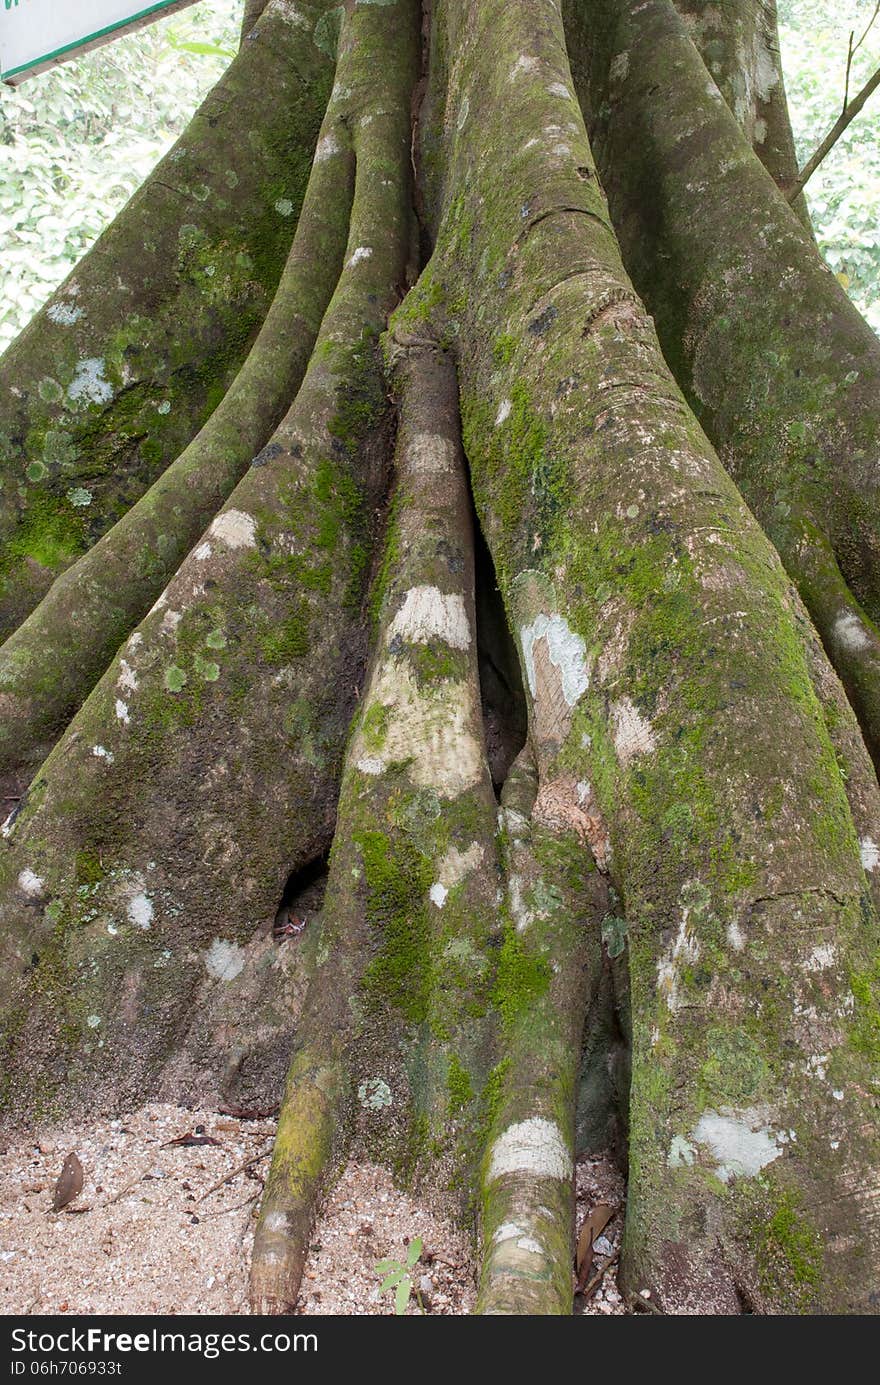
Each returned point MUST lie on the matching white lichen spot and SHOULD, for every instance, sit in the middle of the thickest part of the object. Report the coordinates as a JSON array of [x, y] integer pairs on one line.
[[101, 752], [64, 313], [522, 914], [326, 148], [735, 936], [837, 1094], [536, 1146], [170, 622], [740, 1142], [438, 893], [164, 407], [79, 497], [224, 960], [463, 112], [236, 529], [428, 614], [127, 679], [30, 883], [849, 632], [632, 733], [529, 1244], [508, 1231], [835, 1144], [681, 1153], [140, 910], [363, 252], [203, 551], [371, 764], [89, 382], [560, 89], [817, 1065], [821, 958], [566, 650], [284, 206], [122, 713], [503, 413], [94, 1021], [869, 853], [374, 1094]]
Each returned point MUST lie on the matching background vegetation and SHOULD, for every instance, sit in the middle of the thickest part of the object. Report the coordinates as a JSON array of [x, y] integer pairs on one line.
[[76, 142]]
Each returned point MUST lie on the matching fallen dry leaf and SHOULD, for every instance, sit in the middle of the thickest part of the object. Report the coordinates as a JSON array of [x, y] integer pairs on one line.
[[69, 1185], [594, 1224]]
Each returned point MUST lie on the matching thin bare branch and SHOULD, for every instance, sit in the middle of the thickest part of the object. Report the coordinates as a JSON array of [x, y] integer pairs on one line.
[[844, 119]]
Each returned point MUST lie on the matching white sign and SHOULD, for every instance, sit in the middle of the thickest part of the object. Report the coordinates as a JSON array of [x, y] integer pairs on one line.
[[37, 34]]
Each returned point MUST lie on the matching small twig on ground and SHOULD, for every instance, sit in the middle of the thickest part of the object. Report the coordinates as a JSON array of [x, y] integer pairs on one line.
[[223, 1211], [592, 1285], [254, 1159]]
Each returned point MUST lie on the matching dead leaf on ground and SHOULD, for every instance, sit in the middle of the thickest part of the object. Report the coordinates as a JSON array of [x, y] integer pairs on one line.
[[69, 1185], [595, 1223]]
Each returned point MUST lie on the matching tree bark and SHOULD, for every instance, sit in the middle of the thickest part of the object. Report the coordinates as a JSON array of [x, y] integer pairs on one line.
[[674, 851], [774, 359]]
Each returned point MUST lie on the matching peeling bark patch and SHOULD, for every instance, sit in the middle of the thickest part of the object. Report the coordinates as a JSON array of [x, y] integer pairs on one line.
[[535, 1146], [567, 653], [236, 529], [850, 633], [428, 614], [631, 732], [224, 960], [739, 1141]]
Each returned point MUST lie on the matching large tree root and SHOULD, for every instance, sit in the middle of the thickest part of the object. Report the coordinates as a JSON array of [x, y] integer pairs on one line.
[[112, 379], [684, 695], [392, 1024], [777, 363], [53, 660], [205, 764]]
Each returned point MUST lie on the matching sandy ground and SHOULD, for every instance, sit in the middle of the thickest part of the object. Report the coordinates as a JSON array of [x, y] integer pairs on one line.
[[152, 1232]]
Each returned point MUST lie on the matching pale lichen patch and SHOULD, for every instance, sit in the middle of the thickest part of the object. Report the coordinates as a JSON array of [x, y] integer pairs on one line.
[[140, 910], [534, 1146], [224, 960], [438, 893], [631, 732], [363, 252], [849, 632], [566, 651], [30, 883], [236, 529], [122, 713], [428, 614], [869, 853], [740, 1142]]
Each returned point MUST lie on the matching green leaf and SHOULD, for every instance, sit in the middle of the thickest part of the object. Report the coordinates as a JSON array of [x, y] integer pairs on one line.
[[401, 1298], [415, 1250], [396, 1278], [383, 1266]]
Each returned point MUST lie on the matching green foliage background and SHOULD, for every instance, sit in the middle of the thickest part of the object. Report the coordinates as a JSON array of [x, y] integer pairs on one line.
[[844, 192], [76, 141]]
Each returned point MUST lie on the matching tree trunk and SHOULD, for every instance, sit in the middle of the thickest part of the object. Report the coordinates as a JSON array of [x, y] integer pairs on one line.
[[485, 668]]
